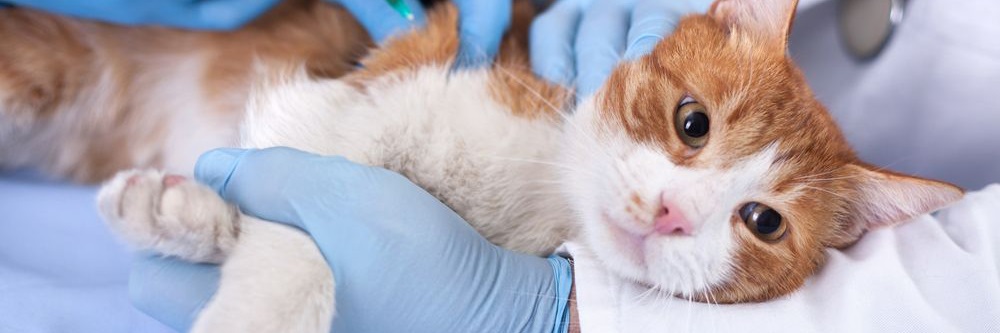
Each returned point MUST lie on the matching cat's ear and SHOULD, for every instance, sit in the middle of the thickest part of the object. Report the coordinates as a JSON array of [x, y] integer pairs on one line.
[[884, 199], [771, 19]]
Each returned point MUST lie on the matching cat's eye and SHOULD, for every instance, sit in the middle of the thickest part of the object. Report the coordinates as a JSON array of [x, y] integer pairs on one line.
[[763, 221], [691, 123]]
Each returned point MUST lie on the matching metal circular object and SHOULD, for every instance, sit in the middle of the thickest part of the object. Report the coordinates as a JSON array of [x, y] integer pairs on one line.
[[866, 25]]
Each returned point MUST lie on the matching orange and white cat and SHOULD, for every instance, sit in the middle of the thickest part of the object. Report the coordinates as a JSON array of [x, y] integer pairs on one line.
[[704, 168]]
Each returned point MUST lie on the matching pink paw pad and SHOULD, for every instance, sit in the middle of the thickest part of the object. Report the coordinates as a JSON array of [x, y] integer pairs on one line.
[[171, 180], [133, 180]]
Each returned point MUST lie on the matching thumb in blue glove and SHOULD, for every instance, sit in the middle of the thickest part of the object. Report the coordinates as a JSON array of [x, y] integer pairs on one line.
[[581, 41], [393, 248], [482, 23], [171, 290]]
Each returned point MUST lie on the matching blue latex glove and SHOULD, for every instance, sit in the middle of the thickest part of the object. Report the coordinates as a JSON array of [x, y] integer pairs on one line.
[[403, 261], [581, 41], [205, 14], [481, 24]]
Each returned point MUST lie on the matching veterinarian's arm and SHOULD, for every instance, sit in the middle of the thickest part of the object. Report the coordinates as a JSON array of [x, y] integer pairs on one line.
[[395, 250], [580, 41], [208, 14], [482, 23]]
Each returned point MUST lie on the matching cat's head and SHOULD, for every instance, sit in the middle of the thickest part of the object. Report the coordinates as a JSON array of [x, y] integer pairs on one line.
[[708, 169]]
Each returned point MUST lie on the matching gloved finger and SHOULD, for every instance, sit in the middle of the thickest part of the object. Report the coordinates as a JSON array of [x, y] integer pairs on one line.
[[600, 43], [381, 20], [551, 42], [652, 20], [481, 25], [171, 290], [282, 184], [211, 15]]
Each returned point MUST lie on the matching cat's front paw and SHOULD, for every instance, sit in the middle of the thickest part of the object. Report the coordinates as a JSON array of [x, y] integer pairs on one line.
[[169, 214]]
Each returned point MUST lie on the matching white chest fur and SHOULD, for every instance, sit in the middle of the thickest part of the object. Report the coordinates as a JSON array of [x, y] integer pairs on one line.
[[441, 129]]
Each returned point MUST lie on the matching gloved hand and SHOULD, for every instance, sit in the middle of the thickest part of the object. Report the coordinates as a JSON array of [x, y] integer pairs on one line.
[[403, 261], [481, 24], [171, 290], [581, 41], [205, 14]]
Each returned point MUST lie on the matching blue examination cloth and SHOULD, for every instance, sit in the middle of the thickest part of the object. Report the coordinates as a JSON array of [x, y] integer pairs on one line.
[[61, 270]]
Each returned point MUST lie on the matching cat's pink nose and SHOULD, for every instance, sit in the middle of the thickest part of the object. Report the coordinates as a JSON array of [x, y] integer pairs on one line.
[[670, 221]]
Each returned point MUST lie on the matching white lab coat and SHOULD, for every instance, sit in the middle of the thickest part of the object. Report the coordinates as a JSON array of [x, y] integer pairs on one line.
[[929, 105]]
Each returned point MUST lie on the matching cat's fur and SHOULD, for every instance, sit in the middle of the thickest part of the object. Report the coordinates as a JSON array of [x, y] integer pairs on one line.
[[494, 144], [83, 100]]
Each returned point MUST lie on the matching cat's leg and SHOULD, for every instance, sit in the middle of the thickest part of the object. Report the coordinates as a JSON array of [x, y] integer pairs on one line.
[[274, 279], [170, 215]]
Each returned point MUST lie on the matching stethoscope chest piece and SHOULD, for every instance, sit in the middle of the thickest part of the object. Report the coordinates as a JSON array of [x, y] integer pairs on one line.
[[865, 26]]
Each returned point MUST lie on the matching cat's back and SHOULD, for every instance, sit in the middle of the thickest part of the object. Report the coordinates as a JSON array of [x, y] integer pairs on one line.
[[82, 99]]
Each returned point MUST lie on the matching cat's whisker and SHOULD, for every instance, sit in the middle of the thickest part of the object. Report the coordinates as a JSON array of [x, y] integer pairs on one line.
[[672, 295], [534, 92], [556, 110], [815, 175], [641, 297], [690, 312], [839, 195], [712, 303], [695, 275], [661, 299], [888, 166], [711, 295], [563, 166], [809, 179], [561, 113], [819, 180], [814, 178]]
